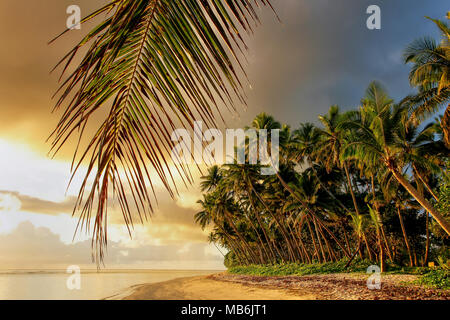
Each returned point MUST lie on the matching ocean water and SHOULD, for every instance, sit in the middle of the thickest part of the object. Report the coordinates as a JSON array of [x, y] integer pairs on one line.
[[52, 284]]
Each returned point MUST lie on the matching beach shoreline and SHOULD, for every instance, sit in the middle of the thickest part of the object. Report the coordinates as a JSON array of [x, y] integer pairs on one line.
[[224, 286], [209, 287]]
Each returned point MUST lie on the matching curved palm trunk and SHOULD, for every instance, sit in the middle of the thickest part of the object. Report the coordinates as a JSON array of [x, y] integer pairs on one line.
[[280, 225], [353, 256], [319, 241], [427, 248], [380, 247], [299, 231], [269, 252], [261, 243], [251, 254], [324, 187], [285, 185], [305, 251], [383, 234], [215, 245], [445, 124], [298, 252], [330, 250], [316, 250], [405, 237], [236, 247], [268, 240], [262, 246], [425, 184], [421, 199], [258, 218], [293, 243], [240, 251], [355, 204], [345, 237]]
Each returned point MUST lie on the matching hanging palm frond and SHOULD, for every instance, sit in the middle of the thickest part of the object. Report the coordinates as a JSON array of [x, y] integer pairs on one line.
[[155, 65]]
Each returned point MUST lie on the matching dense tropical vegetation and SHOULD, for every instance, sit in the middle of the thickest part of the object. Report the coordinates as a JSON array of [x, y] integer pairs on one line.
[[370, 183]]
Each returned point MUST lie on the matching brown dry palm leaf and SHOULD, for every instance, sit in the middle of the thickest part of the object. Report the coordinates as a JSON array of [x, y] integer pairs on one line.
[[153, 64]]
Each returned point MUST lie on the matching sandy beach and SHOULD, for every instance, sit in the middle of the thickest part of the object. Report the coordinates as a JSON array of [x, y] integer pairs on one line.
[[224, 286], [207, 288]]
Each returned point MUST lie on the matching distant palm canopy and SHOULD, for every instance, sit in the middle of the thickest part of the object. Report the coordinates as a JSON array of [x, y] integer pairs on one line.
[[430, 73], [155, 64]]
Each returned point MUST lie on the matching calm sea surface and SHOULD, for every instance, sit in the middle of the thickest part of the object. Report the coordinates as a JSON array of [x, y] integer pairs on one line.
[[49, 285]]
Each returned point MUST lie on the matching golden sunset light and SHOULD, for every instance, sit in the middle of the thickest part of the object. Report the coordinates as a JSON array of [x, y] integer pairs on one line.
[[224, 150]]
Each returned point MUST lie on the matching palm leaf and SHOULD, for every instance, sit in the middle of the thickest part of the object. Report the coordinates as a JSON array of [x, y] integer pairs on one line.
[[153, 65]]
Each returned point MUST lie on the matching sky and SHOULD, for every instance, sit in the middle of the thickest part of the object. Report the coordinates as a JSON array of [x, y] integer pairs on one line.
[[321, 54]]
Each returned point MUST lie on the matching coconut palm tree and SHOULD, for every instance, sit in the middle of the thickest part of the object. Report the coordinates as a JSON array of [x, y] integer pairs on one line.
[[242, 179], [375, 141], [330, 147], [423, 152], [430, 73], [264, 121], [211, 181]]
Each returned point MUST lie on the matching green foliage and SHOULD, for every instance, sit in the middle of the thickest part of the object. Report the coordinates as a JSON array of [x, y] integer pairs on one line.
[[444, 199], [437, 278], [360, 185], [296, 269], [230, 260]]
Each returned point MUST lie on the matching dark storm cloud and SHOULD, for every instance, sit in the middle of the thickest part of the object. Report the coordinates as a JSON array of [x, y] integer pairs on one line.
[[323, 54]]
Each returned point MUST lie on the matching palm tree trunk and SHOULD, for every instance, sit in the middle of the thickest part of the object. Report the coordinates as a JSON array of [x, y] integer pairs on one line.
[[445, 124], [415, 256], [354, 255], [262, 226], [305, 252], [237, 248], [299, 231], [381, 248], [355, 204], [286, 186], [427, 246], [261, 243], [319, 241], [423, 202], [244, 243], [262, 246], [278, 222], [425, 184], [298, 252], [293, 243], [258, 218], [215, 245], [405, 237], [346, 237], [314, 242], [388, 249], [379, 217], [329, 248]]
